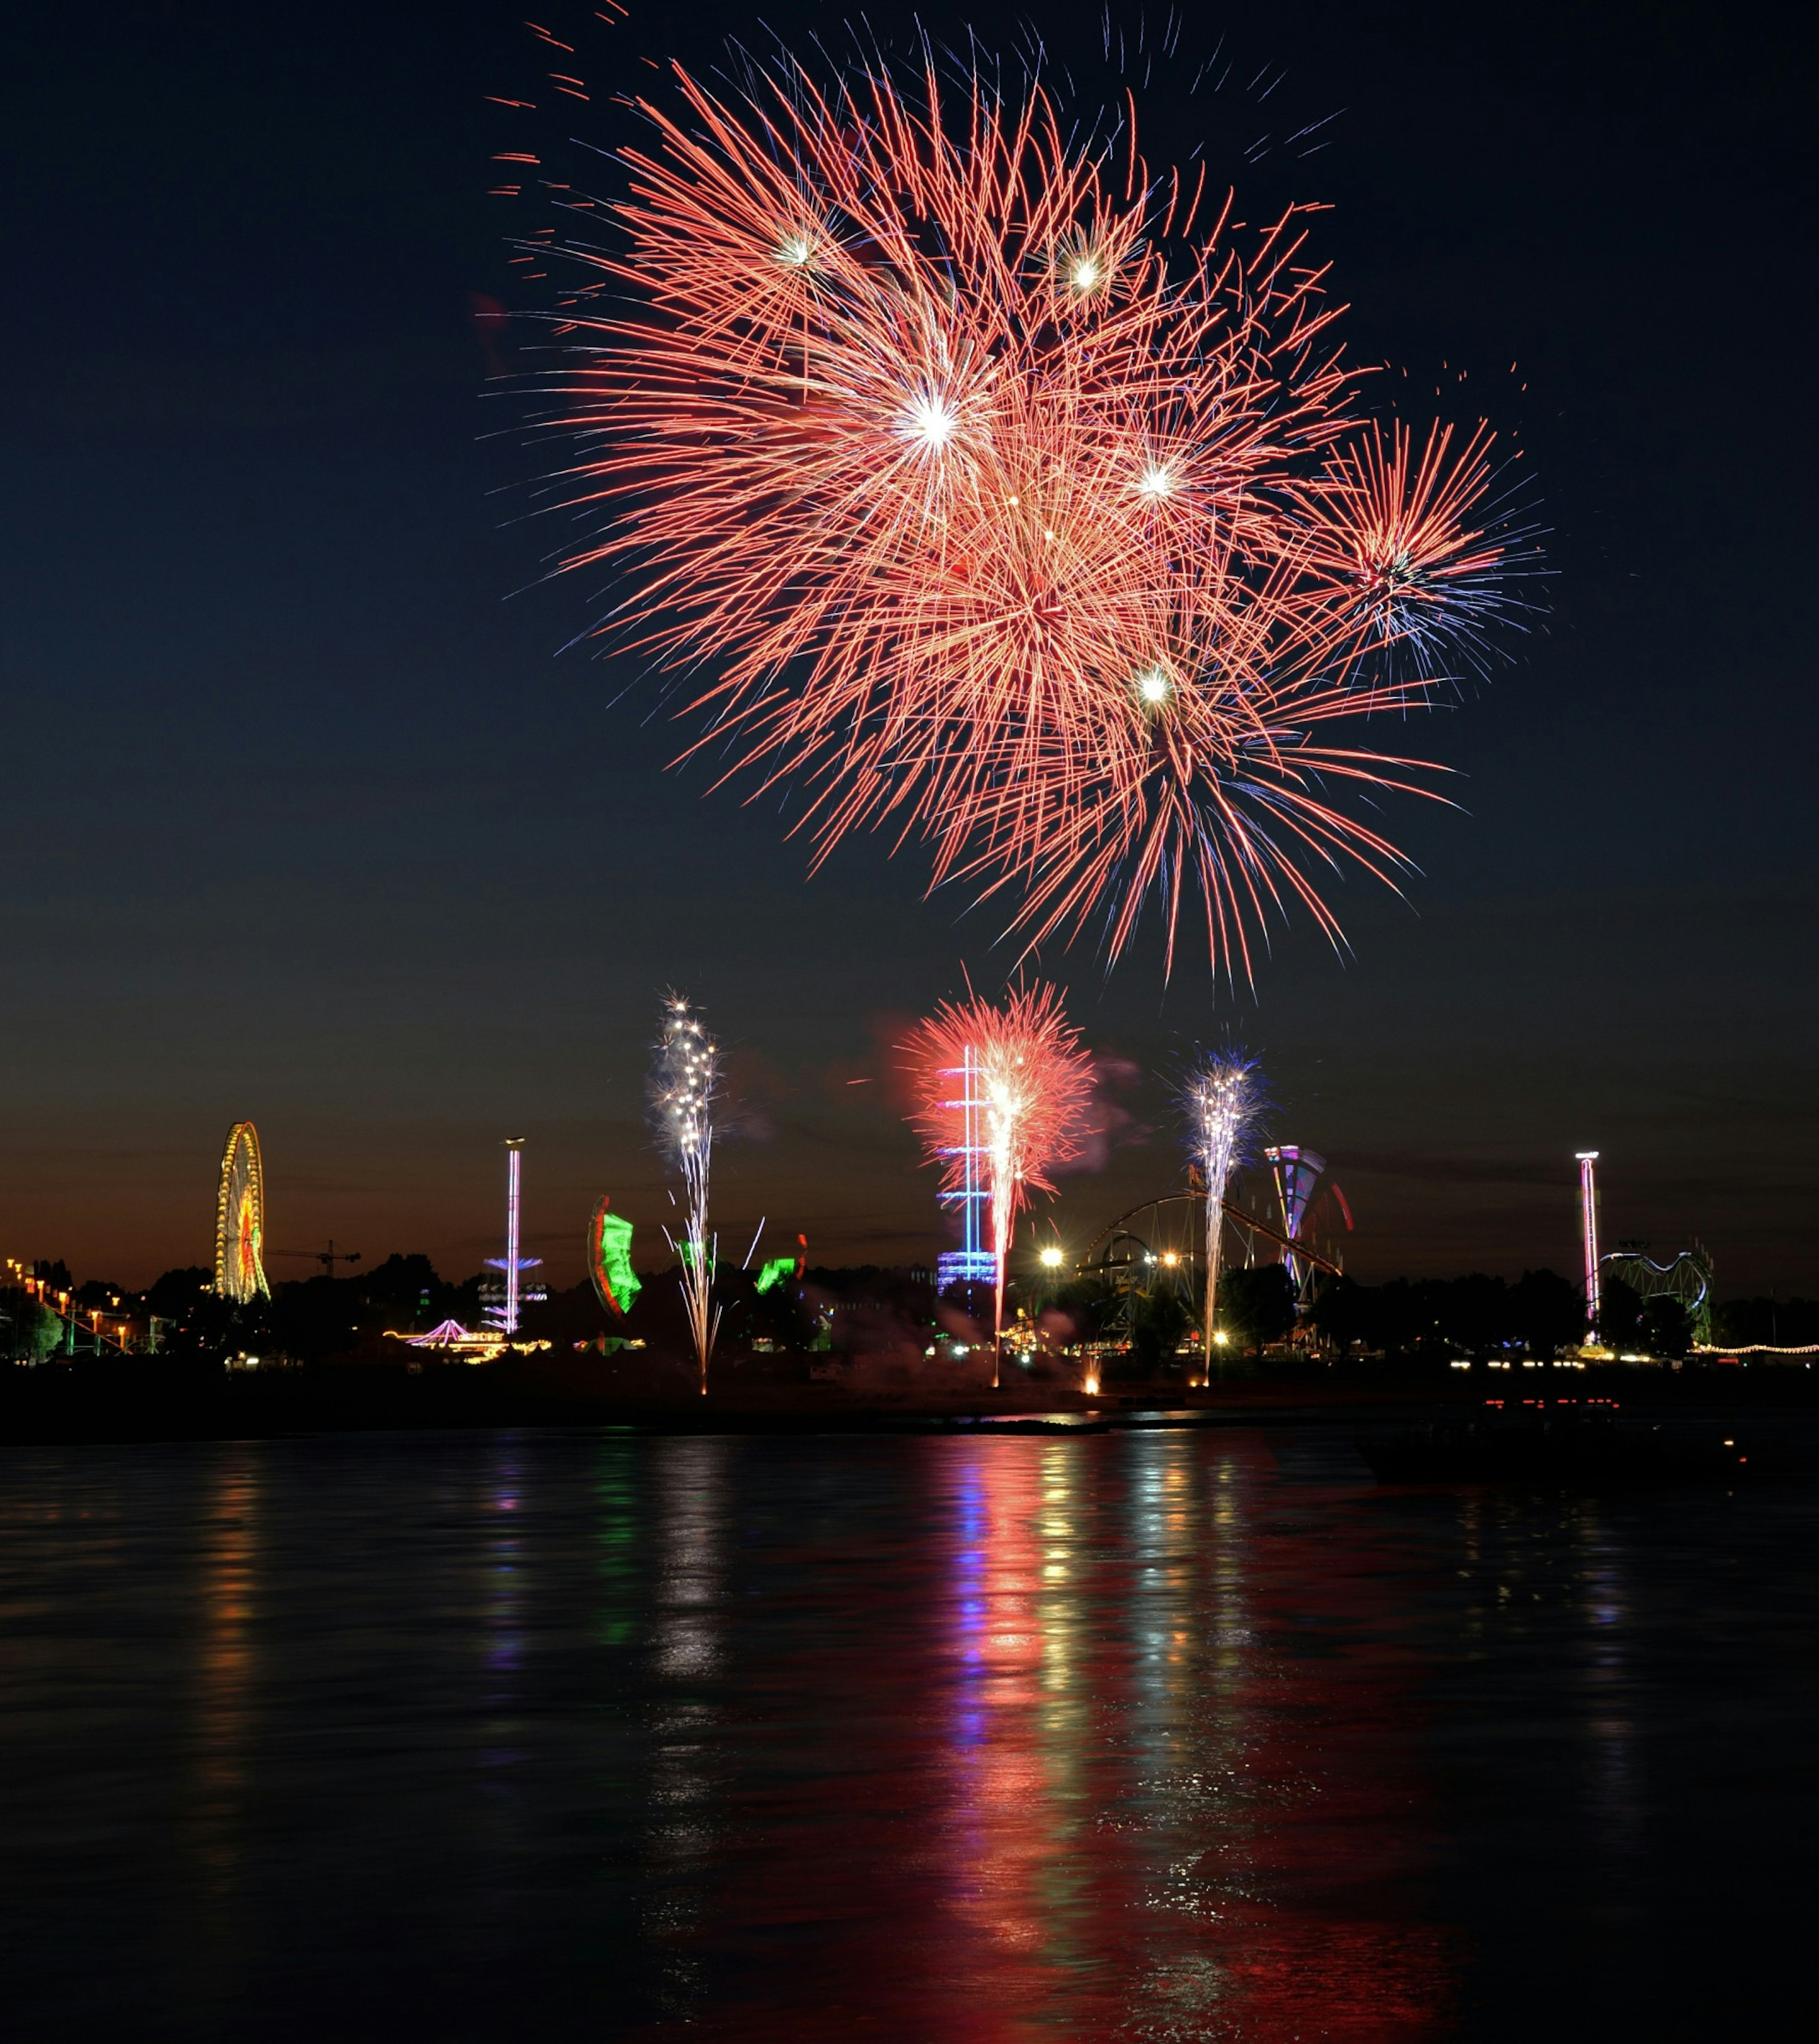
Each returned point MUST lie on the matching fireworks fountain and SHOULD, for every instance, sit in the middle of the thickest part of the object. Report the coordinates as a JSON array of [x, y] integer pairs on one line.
[[1223, 1101], [1025, 1082], [684, 1087], [1016, 495]]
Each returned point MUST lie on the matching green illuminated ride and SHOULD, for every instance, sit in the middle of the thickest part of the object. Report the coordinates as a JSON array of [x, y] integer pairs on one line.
[[775, 1272], [609, 1258]]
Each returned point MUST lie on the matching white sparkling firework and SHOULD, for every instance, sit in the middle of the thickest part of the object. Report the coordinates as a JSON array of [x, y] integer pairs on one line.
[[685, 1084], [1224, 1101]]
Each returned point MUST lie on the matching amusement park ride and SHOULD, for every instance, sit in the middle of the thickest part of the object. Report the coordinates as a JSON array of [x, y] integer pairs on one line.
[[1685, 1278], [1156, 1245], [504, 1295], [240, 1220], [240, 1224], [972, 1263]]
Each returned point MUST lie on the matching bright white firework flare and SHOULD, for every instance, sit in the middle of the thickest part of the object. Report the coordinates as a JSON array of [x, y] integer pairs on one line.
[[685, 1084], [1223, 1099]]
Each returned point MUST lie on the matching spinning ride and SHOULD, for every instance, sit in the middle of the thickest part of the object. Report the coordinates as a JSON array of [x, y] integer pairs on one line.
[[616, 1284], [1304, 1204]]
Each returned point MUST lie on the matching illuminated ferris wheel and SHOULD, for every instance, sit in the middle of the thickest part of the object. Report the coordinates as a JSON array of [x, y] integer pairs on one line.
[[240, 1220]]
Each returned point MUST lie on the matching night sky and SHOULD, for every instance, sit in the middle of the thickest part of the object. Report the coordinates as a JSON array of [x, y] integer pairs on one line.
[[309, 819]]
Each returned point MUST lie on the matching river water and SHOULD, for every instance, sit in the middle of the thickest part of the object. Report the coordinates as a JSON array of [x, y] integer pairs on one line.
[[1163, 1734]]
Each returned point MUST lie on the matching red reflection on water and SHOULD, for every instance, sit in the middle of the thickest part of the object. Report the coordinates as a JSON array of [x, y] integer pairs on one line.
[[1135, 1759], [1162, 1824]]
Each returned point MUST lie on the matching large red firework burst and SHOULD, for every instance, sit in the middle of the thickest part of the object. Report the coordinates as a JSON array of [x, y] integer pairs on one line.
[[1003, 1088], [995, 490]]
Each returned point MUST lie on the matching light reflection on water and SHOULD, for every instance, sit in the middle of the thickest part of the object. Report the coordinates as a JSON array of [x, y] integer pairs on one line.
[[1171, 1734]]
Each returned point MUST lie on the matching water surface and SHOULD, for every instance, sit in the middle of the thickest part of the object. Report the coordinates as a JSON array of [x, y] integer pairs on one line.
[[1176, 1734]]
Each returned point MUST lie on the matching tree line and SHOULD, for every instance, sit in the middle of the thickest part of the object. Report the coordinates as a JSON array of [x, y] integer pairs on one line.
[[1538, 1314]]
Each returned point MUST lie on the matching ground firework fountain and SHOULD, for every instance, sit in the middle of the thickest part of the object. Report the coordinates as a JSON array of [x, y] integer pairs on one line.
[[684, 1087], [1222, 1098]]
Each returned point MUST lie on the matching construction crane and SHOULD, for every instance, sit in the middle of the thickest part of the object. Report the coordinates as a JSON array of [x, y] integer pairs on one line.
[[328, 1257]]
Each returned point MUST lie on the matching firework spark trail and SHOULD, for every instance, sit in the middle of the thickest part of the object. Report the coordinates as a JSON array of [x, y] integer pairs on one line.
[[1033, 1082], [1013, 502], [684, 1087], [1223, 1101]]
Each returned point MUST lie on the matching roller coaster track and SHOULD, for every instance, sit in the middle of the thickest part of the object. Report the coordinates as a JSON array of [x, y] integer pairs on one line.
[[1233, 1212]]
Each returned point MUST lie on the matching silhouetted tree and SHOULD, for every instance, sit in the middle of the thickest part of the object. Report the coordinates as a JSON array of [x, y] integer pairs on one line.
[[28, 1329], [1666, 1327], [403, 1293], [1775, 1322], [1546, 1312], [1094, 1306], [1472, 1312], [309, 1319], [1161, 1319], [200, 1322], [1541, 1312], [1342, 1312], [1620, 1324], [1256, 1306], [179, 1294]]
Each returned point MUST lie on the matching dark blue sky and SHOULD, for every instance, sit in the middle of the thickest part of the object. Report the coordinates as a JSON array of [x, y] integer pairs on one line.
[[308, 819]]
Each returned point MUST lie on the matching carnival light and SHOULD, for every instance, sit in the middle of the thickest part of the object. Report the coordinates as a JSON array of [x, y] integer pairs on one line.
[[685, 1084], [938, 497], [1033, 1081]]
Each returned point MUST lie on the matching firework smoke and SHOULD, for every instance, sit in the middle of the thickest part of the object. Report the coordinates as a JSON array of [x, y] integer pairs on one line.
[[1031, 1081], [1223, 1101], [684, 1088]]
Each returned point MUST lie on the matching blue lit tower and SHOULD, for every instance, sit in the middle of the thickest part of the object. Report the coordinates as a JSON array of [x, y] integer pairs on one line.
[[969, 1264]]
